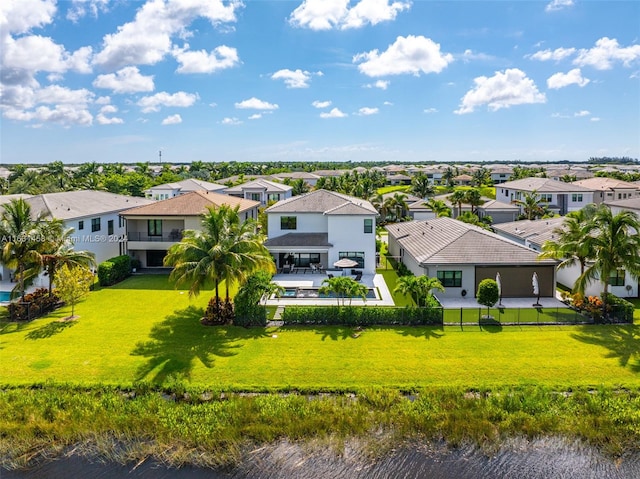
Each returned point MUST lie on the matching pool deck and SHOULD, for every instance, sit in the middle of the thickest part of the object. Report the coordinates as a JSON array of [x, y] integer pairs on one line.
[[314, 280]]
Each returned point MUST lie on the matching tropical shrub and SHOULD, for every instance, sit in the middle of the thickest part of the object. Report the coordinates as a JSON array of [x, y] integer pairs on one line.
[[218, 312], [35, 304], [361, 316], [619, 309], [114, 270]]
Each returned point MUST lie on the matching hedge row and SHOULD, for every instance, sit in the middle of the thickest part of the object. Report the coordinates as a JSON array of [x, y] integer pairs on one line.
[[114, 270], [362, 316], [618, 309], [251, 315]]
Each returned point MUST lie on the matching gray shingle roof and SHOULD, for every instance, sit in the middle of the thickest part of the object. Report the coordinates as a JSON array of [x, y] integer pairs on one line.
[[259, 184], [326, 202], [189, 184], [543, 185], [306, 240], [79, 204], [493, 205], [535, 231], [448, 241]]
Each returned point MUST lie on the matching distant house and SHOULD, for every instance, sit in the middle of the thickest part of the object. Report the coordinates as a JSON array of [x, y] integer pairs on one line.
[[463, 180], [261, 190], [498, 211], [153, 228], [609, 189], [559, 197], [501, 174], [533, 234], [398, 179], [630, 204], [309, 178], [171, 190], [461, 255], [322, 227]]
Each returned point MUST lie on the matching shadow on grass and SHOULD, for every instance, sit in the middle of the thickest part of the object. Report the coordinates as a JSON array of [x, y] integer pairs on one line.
[[427, 332], [48, 330], [180, 340], [622, 341]]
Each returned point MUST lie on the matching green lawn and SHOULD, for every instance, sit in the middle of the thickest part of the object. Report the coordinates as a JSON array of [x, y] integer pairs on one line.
[[393, 188], [143, 330]]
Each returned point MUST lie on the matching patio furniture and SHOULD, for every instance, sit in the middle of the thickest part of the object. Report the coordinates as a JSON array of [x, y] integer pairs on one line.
[[329, 276], [358, 277]]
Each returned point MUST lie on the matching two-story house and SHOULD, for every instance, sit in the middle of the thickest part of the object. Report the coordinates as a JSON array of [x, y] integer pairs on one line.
[[261, 190], [609, 189], [152, 229], [559, 197], [322, 227], [171, 190]]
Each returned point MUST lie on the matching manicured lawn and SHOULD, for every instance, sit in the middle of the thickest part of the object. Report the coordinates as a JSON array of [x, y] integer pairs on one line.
[[392, 189], [513, 315], [143, 330], [391, 278]]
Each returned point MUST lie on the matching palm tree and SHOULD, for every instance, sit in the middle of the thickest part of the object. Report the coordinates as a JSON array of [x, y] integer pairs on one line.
[[21, 238], [448, 176], [398, 204], [473, 219], [224, 250], [439, 207], [473, 198], [421, 186], [457, 198], [343, 287], [300, 187], [58, 251], [614, 243], [380, 205], [530, 206], [418, 287], [571, 247]]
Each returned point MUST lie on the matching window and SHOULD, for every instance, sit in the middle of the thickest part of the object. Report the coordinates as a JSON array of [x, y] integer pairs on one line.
[[353, 255], [273, 197], [154, 227], [368, 225], [110, 227], [81, 225], [256, 197], [450, 279], [546, 198], [576, 197], [288, 222], [617, 278], [95, 224]]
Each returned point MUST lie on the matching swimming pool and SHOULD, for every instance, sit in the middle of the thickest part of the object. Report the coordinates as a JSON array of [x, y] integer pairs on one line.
[[312, 293], [5, 296]]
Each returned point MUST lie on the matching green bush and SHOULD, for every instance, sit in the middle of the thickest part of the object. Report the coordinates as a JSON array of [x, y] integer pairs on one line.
[[618, 309], [250, 315], [35, 304], [361, 316], [114, 270]]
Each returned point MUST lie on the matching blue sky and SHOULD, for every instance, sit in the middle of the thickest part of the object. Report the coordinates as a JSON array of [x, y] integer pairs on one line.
[[318, 80]]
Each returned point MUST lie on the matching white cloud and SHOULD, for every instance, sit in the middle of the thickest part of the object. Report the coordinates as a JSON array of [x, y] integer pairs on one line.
[[34, 53], [556, 55], [582, 113], [147, 39], [555, 5], [65, 115], [22, 15], [321, 104], [102, 100], [293, 79], [595, 118], [126, 80], [328, 14], [255, 116], [430, 110], [605, 53], [334, 113], [102, 119], [366, 111], [58, 95], [382, 84], [81, 8], [230, 121], [469, 55], [387, 103], [502, 90], [155, 102], [219, 58], [412, 54], [256, 104], [172, 120], [561, 80]]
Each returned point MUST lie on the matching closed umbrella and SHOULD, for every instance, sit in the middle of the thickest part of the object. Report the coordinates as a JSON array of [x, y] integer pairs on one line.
[[499, 283], [536, 288]]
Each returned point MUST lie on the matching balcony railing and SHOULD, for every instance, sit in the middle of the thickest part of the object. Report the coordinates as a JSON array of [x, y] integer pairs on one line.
[[168, 237]]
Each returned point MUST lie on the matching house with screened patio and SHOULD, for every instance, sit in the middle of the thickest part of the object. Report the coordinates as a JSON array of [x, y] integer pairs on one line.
[[320, 228]]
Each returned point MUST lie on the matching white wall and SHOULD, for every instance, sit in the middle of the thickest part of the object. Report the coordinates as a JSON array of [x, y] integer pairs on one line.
[[468, 280], [568, 276], [346, 233], [306, 223], [103, 245]]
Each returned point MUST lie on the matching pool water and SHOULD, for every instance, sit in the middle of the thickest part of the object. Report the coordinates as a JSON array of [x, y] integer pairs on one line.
[[312, 293], [5, 296]]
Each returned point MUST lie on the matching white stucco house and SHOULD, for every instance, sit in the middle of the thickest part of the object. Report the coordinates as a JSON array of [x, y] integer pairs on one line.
[[609, 189], [322, 227], [153, 228], [261, 190], [558, 196], [533, 234], [461, 255], [171, 190]]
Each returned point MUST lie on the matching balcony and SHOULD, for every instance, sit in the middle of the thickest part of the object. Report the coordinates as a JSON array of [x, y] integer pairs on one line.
[[172, 237]]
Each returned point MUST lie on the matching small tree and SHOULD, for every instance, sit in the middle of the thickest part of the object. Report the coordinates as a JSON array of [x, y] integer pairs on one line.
[[343, 287], [73, 284], [488, 294]]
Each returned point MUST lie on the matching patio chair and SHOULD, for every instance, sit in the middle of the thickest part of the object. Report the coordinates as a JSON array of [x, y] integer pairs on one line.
[[329, 276], [358, 277], [314, 268]]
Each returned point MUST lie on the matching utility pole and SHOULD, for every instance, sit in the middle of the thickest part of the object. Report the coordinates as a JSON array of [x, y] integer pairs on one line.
[[160, 155]]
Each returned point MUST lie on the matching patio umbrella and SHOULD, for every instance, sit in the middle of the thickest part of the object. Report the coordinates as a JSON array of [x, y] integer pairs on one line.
[[499, 282], [345, 263], [536, 288]]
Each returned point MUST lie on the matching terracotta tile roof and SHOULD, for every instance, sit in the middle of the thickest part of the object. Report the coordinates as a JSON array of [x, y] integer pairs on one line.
[[190, 204], [448, 241], [602, 184]]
